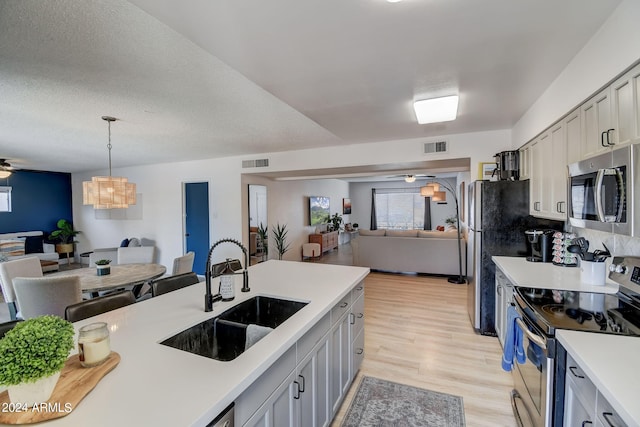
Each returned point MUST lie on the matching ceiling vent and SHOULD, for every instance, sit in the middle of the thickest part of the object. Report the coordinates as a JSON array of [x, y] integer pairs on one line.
[[435, 147], [259, 163]]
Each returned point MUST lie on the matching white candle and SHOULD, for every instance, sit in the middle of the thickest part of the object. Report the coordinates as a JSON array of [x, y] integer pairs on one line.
[[94, 345]]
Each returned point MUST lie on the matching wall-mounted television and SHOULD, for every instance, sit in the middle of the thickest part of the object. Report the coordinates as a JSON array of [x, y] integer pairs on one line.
[[319, 212]]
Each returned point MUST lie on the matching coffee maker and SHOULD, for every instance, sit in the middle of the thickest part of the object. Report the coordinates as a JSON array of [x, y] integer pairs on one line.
[[508, 165], [539, 245]]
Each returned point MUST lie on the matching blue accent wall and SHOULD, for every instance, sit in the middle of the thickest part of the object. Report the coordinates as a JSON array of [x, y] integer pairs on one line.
[[38, 201]]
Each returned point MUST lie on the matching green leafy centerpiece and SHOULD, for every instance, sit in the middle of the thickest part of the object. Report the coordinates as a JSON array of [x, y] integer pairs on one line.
[[32, 355]]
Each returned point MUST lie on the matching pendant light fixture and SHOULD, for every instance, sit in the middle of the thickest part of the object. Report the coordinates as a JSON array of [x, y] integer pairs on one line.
[[109, 192]]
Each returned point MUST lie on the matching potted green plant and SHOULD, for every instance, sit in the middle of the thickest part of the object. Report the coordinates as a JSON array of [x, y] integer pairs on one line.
[[65, 234], [263, 234], [451, 221], [103, 267], [280, 237], [336, 220], [32, 355]]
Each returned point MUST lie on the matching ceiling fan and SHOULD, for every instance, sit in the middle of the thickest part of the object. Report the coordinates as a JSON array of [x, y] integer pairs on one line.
[[5, 169], [410, 177]]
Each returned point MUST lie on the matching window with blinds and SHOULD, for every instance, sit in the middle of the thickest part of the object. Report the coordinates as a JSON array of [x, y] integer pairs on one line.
[[5, 199], [401, 209]]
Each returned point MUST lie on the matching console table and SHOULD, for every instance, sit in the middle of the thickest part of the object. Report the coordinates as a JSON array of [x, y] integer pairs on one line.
[[327, 241]]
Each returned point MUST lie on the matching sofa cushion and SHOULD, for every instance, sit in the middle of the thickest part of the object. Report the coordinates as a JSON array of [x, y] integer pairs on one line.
[[372, 232], [12, 247], [33, 245], [134, 242], [436, 234], [402, 233], [124, 243]]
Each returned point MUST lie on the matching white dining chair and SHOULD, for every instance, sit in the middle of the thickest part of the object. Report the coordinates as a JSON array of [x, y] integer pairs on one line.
[[136, 255], [9, 270], [38, 296], [183, 264]]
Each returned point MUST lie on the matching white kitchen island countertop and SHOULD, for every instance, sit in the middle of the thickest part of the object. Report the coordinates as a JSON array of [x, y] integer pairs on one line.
[[545, 275], [610, 363], [159, 385]]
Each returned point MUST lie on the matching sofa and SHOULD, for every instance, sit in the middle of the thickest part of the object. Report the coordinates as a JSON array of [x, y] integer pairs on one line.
[[410, 251], [25, 244]]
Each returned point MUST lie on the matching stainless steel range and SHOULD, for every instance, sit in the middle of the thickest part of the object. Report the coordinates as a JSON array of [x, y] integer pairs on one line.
[[538, 396]]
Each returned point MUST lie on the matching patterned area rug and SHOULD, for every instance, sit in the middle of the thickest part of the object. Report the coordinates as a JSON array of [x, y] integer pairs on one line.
[[383, 403]]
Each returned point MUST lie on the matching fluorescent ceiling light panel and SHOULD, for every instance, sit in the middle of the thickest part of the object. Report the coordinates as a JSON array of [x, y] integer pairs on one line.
[[436, 110]]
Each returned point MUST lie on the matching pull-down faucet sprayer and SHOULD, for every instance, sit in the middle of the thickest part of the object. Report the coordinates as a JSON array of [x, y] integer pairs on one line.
[[209, 298]]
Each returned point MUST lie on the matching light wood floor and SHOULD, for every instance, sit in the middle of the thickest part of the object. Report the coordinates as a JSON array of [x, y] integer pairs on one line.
[[417, 332]]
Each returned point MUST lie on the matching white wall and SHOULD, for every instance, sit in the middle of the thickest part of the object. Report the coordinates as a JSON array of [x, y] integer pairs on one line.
[[161, 189], [614, 48], [361, 201]]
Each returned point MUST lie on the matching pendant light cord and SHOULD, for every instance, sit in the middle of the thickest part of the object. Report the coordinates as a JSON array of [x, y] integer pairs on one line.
[[109, 147]]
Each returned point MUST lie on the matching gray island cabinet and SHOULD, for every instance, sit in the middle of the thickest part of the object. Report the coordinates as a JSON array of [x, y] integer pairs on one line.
[[296, 375], [306, 386]]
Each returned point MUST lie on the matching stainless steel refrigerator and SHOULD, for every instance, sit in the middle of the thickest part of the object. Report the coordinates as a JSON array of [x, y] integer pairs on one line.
[[498, 217]]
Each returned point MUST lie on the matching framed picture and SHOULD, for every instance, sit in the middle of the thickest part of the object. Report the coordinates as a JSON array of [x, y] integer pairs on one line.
[[346, 206], [485, 171]]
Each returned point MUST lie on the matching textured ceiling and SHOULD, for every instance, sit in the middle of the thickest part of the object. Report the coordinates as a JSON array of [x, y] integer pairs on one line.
[[200, 79]]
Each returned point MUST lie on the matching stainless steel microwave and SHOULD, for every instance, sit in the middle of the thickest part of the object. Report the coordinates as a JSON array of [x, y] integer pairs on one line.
[[603, 192]]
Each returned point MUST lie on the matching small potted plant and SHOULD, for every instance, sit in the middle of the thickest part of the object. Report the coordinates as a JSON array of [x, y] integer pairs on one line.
[[32, 355], [103, 267]]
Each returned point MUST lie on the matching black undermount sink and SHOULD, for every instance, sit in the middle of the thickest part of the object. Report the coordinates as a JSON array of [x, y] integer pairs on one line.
[[224, 336]]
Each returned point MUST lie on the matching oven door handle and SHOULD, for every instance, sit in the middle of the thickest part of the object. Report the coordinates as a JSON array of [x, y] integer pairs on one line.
[[540, 342]]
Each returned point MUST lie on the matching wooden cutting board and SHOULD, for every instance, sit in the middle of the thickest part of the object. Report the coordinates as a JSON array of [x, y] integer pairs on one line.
[[74, 384]]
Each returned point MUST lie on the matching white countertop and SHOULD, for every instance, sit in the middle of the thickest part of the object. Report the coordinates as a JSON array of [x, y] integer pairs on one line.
[[159, 385], [545, 275], [610, 362]]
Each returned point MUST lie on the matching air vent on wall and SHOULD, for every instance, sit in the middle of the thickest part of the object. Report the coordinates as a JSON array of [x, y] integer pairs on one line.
[[259, 163], [435, 147]]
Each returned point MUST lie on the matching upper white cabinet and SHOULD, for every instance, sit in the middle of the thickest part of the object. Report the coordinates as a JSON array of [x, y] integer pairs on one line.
[[548, 178], [525, 161], [611, 117]]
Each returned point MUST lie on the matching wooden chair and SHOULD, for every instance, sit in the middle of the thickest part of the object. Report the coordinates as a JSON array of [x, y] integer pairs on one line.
[[9, 270], [183, 264], [46, 295], [95, 306], [173, 283]]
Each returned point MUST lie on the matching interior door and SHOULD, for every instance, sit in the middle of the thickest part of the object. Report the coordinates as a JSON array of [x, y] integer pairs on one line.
[[196, 222]]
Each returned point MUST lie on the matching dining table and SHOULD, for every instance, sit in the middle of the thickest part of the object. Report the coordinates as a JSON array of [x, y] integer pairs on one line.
[[122, 275]]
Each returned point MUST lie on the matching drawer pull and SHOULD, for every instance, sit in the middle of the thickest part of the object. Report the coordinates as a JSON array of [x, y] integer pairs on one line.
[[302, 388], [359, 288], [352, 318], [344, 304], [360, 351], [572, 369], [360, 315], [584, 423]]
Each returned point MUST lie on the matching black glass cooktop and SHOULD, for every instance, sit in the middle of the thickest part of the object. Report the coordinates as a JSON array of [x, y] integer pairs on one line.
[[583, 311]]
